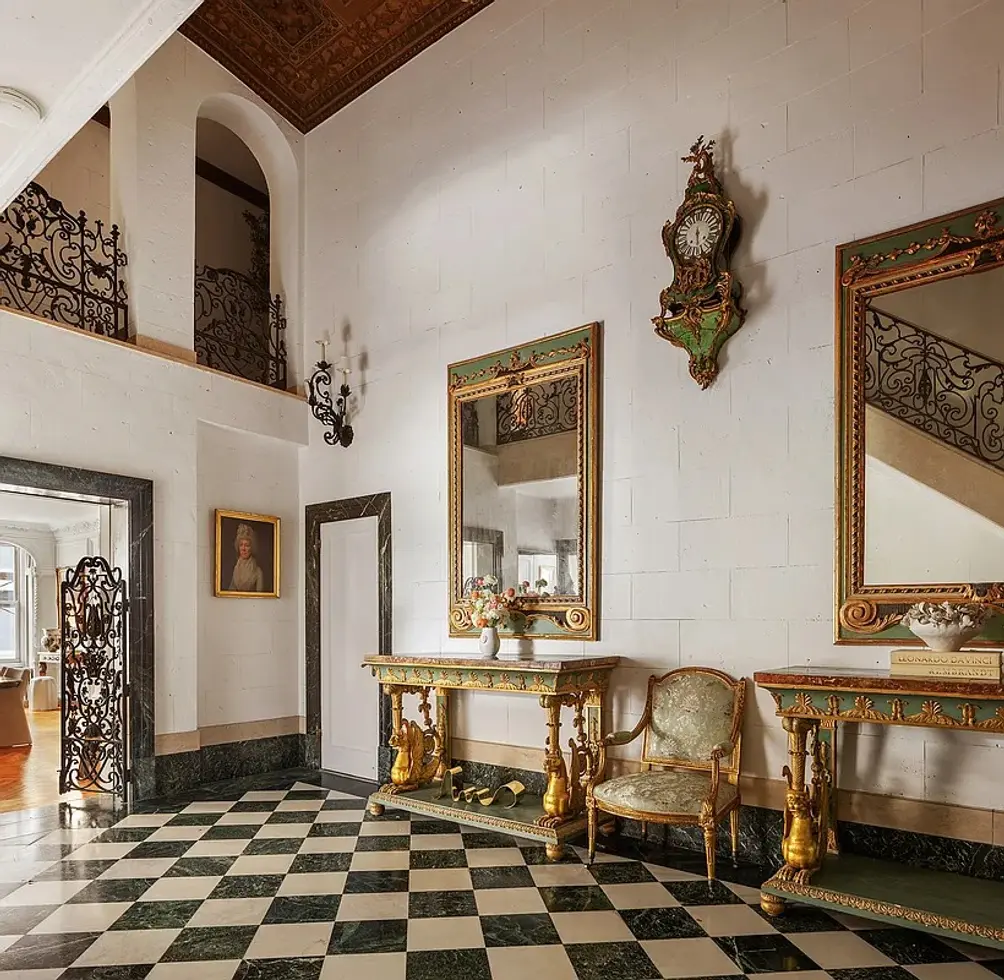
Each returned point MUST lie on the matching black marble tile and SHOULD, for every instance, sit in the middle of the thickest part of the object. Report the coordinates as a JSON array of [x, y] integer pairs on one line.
[[320, 863], [247, 886], [200, 867], [390, 815], [17, 920], [210, 943], [422, 860], [303, 908], [160, 849], [621, 873], [575, 898], [274, 845], [112, 890], [74, 871], [334, 830], [434, 905], [369, 882], [298, 968], [254, 806], [45, 952], [530, 929], [487, 774], [664, 923], [435, 964], [381, 842], [292, 816], [765, 954], [505, 877], [702, 893], [994, 966], [123, 835], [603, 961], [232, 760], [231, 832], [353, 804], [307, 794], [908, 948], [801, 918], [376, 936], [488, 838], [874, 973], [537, 854], [434, 827], [135, 972], [157, 915], [194, 820]]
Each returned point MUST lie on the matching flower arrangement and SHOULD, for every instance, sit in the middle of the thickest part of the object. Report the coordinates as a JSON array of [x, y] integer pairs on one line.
[[538, 587], [489, 607]]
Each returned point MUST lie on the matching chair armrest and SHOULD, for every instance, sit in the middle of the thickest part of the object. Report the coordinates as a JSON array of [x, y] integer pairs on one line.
[[720, 750], [624, 738]]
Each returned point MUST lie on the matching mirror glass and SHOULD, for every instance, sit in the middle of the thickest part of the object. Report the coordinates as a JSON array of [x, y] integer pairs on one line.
[[934, 432], [520, 489]]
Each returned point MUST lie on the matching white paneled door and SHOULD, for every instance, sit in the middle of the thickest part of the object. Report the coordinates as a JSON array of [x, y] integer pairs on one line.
[[349, 631]]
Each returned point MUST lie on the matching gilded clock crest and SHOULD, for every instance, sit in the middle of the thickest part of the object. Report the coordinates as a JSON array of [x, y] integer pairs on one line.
[[701, 309]]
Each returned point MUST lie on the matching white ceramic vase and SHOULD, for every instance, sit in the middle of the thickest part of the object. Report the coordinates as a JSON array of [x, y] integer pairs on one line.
[[489, 643], [947, 638]]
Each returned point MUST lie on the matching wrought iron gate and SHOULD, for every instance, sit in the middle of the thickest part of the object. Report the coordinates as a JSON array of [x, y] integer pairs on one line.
[[93, 745]]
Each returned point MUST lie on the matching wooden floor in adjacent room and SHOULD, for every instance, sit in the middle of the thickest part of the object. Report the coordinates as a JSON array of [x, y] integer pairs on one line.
[[29, 775]]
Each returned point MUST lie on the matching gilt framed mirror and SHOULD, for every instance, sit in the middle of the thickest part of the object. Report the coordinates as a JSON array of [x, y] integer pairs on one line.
[[524, 483], [920, 423]]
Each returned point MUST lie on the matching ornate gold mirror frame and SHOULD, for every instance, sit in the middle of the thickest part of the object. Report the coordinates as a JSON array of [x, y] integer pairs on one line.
[[574, 354], [957, 244]]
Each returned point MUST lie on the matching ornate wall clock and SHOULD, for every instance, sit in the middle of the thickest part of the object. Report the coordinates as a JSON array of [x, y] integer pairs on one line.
[[701, 310]]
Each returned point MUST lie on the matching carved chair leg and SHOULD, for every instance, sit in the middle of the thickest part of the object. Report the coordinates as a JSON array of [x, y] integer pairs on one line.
[[593, 821], [710, 844], [734, 827]]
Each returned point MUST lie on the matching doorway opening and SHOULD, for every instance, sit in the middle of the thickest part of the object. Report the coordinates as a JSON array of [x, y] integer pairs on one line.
[[348, 614], [72, 543]]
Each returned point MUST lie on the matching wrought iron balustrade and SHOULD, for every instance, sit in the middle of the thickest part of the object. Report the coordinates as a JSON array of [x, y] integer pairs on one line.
[[537, 410], [239, 328], [936, 385], [62, 267]]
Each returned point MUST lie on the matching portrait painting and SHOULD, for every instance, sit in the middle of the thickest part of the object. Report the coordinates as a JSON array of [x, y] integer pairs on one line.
[[247, 555]]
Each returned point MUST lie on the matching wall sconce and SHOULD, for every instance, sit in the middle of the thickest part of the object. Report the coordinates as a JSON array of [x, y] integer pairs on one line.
[[332, 414]]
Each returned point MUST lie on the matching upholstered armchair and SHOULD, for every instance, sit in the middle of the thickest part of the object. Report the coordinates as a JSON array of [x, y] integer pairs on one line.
[[692, 725]]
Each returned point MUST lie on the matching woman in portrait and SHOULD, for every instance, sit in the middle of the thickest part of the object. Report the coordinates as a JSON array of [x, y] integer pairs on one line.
[[248, 576]]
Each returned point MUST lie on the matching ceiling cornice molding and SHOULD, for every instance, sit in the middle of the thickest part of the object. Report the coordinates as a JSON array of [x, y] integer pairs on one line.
[[24, 527], [309, 58], [150, 25], [77, 530]]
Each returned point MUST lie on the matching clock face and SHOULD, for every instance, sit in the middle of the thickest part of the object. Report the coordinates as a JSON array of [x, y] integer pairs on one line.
[[699, 232]]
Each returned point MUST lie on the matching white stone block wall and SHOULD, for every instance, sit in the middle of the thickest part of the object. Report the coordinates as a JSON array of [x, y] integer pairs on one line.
[[513, 180]]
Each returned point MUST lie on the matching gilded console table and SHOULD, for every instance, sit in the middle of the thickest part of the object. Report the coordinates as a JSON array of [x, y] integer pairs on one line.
[[424, 755], [811, 703]]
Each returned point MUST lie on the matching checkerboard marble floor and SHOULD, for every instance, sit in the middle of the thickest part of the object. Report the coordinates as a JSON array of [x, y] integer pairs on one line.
[[300, 883]]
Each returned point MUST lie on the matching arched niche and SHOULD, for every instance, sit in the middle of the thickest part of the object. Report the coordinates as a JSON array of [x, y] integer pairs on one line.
[[262, 136]]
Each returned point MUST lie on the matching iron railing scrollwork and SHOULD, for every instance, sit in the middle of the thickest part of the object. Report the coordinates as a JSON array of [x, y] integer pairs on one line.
[[92, 747], [61, 267], [239, 328], [538, 410], [940, 387]]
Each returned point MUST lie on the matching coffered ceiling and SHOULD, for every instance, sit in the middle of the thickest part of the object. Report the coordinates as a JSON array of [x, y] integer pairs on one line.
[[309, 58]]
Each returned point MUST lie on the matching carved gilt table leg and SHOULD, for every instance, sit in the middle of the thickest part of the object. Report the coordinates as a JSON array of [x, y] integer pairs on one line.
[[419, 750], [445, 730], [805, 809], [827, 736]]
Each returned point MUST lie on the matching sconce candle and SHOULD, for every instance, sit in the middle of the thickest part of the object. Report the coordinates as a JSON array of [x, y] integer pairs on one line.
[[330, 412]]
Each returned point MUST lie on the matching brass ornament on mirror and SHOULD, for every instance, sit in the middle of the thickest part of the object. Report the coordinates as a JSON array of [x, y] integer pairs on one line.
[[524, 484], [920, 424]]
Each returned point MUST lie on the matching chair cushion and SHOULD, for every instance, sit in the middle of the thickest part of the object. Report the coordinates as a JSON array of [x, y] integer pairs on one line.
[[662, 792]]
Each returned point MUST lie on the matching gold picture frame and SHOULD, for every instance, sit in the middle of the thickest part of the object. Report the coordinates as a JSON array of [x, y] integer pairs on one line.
[[958, 244], [258, 576], [573, 354]]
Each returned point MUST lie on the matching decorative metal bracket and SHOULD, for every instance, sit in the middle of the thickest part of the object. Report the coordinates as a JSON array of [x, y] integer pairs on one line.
[[330, 412]]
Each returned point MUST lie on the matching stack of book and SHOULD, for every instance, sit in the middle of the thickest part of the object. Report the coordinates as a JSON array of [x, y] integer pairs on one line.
[[968, 665]]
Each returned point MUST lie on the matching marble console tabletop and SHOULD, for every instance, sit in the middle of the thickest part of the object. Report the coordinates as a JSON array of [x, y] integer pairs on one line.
[[876, 681]]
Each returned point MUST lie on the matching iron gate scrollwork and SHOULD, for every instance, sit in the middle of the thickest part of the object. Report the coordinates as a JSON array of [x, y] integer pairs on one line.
[[93, 603]]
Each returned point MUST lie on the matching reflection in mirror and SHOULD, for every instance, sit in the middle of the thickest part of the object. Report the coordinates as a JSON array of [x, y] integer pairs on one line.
[[520, 489], [934, 432]]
